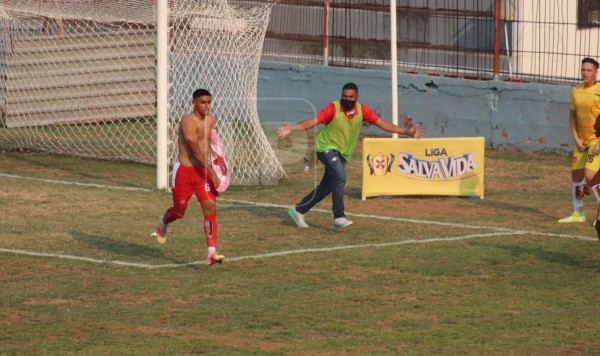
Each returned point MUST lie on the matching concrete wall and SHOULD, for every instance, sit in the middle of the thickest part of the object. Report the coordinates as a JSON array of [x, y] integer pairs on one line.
[[514, 116]]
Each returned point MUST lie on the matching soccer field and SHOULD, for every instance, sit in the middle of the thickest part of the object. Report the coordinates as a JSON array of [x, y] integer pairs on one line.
[[80, 273]]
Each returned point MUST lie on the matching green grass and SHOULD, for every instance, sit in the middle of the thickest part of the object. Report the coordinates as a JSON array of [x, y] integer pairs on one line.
[[133, 140], [379, 286]]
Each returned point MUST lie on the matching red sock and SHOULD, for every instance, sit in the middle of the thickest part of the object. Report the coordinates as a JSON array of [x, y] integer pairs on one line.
[[210, 228], [170, 216]]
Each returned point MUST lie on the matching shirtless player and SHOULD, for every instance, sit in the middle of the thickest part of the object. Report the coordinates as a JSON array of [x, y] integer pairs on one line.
[[193, 173]]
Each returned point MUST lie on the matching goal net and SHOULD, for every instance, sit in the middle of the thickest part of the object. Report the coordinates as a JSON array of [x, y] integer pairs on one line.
[[78, 77]]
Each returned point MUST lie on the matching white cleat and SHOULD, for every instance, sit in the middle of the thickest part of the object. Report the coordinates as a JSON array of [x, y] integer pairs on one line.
[[161, 231], [214, 258]]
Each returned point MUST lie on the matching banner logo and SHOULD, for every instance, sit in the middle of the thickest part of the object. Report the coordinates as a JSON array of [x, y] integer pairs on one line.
[[380, 164], [427, 166], [442, 168]]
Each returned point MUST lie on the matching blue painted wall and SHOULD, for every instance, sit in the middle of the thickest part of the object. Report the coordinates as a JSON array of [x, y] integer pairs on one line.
[[513, 116]]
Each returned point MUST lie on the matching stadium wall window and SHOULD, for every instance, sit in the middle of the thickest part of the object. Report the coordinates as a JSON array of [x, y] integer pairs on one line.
[[588, 13]]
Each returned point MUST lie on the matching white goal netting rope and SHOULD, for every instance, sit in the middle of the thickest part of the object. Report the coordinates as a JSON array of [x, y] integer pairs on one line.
[[79, 78]]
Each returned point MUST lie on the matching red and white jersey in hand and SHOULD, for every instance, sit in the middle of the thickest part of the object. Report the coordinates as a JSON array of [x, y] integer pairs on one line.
[[217, 160]]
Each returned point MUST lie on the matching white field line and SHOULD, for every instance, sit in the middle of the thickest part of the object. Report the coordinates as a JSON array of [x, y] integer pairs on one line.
[[259, 256], [271, 205], [425, 222], [500, 231], [89, 185]]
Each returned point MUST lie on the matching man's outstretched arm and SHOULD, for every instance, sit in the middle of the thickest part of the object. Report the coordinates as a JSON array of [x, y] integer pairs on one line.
[[303, 125], [412, 131]]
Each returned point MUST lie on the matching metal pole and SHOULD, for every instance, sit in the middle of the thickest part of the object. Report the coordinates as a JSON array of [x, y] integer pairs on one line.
[[162, 114], [394, 60], [326, 34], [508, 51], [497, 15]]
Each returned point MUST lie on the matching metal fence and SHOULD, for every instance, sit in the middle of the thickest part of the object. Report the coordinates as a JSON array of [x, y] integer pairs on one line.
[[539, 41]]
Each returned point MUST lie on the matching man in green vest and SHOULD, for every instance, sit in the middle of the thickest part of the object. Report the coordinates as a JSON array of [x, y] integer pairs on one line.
[[342, 122]]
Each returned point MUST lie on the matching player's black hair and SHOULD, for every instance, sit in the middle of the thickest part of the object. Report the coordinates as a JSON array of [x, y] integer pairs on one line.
[[200, 92], [351, 86], [590, 60]]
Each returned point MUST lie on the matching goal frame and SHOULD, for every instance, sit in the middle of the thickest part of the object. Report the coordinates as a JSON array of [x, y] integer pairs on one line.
[[162, 94]]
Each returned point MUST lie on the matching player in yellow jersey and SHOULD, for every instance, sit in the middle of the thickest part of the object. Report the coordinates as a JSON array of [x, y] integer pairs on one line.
[[585, 107]]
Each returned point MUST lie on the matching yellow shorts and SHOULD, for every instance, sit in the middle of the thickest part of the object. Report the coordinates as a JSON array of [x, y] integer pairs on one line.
[[586, 159]]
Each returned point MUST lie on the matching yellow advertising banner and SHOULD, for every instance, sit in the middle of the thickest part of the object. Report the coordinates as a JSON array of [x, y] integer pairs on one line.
[[427, 166]]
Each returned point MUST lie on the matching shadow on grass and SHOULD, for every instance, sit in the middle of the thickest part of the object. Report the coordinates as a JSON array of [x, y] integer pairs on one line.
[[512, 207], [356, 193], [281, 215], [270, 213], [548, 256], [123, 248]]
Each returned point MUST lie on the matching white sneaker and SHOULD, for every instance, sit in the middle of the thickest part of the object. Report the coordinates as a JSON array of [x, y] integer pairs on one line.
[[339, 223], [298, 218]]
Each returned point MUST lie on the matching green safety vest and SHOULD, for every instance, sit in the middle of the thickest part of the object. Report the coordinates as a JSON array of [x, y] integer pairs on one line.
[[341, 134]]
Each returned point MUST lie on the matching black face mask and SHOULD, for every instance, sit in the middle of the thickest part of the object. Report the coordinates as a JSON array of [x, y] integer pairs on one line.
[[347, 104]]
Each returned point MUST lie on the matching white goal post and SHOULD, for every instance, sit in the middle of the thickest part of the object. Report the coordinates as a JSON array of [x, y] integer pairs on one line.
[[111, 79]]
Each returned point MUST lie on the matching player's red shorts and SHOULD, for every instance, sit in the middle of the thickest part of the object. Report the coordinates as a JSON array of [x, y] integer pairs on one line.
[[188, 180]]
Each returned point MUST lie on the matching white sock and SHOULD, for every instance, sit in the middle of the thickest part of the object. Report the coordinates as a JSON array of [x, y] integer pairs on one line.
[[577, 203], [212, 251]]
